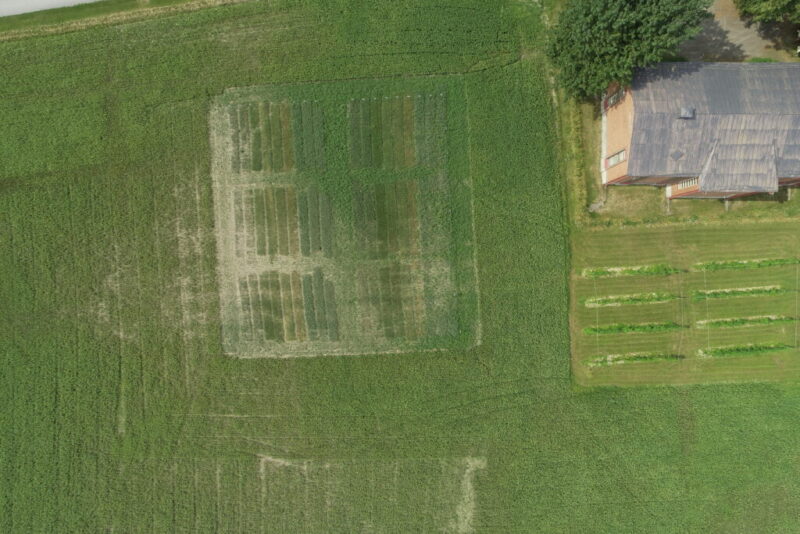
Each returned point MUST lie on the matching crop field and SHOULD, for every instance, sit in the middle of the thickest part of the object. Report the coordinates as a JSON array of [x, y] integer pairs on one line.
[[681, 304], [272, 494], [321, 253], [191, 199]]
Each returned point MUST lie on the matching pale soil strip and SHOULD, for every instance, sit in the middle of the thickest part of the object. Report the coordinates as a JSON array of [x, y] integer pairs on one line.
[[115, 18], [465, 511]]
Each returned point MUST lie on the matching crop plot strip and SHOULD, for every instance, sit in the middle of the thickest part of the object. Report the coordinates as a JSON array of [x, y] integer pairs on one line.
[[386, 219], [262, 137], [280, 221], [397, 132], [285, 307]]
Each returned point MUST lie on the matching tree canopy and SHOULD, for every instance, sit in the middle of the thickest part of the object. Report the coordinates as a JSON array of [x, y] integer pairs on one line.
[[598, 42], [770, 10]]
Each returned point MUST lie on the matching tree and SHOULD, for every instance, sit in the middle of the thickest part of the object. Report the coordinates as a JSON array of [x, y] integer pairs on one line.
[[598, 42], [770, 10]]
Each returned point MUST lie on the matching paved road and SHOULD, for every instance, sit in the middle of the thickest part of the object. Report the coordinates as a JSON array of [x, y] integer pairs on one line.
[[15, 7]]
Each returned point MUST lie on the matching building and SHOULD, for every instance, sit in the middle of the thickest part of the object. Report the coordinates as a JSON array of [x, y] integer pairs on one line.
[[705, 130]]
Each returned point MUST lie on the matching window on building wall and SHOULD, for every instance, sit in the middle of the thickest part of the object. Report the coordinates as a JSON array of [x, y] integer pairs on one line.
[[616, 159], [614, 98]]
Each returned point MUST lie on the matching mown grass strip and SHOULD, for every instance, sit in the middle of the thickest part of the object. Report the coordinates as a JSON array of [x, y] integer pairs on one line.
[[634, 357], [636, 298], [704, 294], [745, 321], [619, 328], [743, 350], [744, 264], [659, 269]]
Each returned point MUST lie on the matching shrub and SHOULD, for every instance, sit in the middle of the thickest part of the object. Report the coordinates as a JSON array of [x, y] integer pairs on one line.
[[737, 292], [637, 298], [599, 42], [614, 359], [648, 270], [744, 264], [619, 328], [743, 350], [745, 321]]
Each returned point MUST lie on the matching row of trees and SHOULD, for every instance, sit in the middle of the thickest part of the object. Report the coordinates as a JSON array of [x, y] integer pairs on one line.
[[770, 10], [598, 42]]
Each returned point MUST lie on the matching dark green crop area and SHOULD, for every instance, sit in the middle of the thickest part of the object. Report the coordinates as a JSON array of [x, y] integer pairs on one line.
[[120, 412]]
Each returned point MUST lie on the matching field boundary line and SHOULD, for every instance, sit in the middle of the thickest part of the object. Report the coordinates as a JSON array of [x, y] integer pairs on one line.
[[596, 319], [479, 325], [708, 332], [796, 303]]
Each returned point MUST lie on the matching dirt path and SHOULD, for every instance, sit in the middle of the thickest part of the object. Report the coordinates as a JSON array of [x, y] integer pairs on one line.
[[727, 37]]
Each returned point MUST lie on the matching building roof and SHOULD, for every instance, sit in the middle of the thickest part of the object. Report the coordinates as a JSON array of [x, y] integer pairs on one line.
[[742, 127]]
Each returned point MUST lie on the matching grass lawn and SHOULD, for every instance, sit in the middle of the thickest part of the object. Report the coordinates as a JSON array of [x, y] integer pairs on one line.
[[122, 412], [755, 304]]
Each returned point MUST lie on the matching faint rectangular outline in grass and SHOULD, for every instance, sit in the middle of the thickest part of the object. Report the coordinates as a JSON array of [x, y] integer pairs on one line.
[[387, 125]]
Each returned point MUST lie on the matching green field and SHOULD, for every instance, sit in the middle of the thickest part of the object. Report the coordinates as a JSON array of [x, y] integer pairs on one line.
[[123, 410], [727, 286]]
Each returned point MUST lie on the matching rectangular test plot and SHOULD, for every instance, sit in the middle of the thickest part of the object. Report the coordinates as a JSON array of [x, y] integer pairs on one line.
[[368, 250]]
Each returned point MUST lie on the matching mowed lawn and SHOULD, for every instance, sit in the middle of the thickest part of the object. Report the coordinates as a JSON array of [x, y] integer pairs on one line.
[[121, 411], [707, 307]]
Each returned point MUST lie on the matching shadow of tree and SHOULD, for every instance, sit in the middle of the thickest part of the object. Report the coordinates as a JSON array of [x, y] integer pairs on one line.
[[782, 35], [711, 44]]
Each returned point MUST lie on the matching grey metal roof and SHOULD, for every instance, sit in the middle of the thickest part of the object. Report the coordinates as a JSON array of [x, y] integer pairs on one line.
[[746, 130]]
